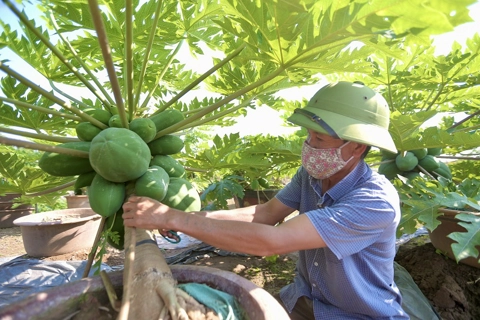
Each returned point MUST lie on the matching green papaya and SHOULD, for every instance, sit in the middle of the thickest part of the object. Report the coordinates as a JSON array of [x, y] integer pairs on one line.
[[420, 153], [169, 164], [410, 175], [119, 155], [105, 197], [387, 155], [115, 121], [144, 127], [182, 195], [86, 131], [63, 165], [434, 151], [114, 223], [168, 144], [389, 170], [100, 114], [153, 183], [84, 180], [263, 183], [167, 118], [406, 161], [429, 163], [443, 170]]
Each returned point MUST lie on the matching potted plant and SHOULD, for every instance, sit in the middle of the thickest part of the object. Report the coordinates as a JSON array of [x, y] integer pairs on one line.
[[264, 53]]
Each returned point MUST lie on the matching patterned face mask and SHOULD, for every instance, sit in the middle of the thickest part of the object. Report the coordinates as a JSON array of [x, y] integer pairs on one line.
[[323, 163]]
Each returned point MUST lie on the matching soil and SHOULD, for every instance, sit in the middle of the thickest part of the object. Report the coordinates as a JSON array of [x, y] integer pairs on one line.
[[452, 289]]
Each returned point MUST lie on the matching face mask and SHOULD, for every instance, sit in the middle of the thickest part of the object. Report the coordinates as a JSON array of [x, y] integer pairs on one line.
[[323, 163]]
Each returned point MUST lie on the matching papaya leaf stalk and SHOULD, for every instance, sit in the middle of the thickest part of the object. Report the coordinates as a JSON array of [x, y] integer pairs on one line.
[[53, 48], [39, 136], [107, 57], [50, 96], [22, 104], [43, 147]]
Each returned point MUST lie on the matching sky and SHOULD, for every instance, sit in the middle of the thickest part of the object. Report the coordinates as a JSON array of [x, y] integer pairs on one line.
[[254, 122]]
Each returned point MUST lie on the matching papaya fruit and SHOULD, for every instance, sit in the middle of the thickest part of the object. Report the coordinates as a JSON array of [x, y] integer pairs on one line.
[[389, 170], [167, 145], [443, 170], [182, 195], [406, 161], [84, 180], [167, 118], [410, 175], [119, 155], [169, 164], [100, 114], [429, 163], [105, 197], [434, 151], [144, 127], [387, 155], [114, 223], [115, 121], [420, 153], [63, 165], [263, 183], [86, 131], [153, 183]]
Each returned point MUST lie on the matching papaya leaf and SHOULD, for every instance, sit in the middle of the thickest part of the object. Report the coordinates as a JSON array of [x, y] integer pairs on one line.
[[466, 242]]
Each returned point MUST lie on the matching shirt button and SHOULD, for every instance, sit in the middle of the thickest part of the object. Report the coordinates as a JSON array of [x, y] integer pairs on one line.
[[314, 285], [315, 264]]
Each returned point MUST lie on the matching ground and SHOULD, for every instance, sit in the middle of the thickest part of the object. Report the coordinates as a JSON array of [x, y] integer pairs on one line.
[[453, 289]]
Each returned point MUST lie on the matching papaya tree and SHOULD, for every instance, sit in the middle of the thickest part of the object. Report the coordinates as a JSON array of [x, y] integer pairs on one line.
[[128, 57]]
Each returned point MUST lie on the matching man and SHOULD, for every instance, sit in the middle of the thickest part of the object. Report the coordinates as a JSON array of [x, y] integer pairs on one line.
[[345, 232]]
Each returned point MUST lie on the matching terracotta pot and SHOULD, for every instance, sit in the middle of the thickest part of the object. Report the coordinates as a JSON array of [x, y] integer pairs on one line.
[[8, 214], [80, 201], [441, 241], [252, 197], [58, 232], [62, 301]]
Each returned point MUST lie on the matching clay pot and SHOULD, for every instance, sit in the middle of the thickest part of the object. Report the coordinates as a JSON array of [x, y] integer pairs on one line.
[[441, 241], [80, 201], [8, 214], [62, 301], [58, 232]]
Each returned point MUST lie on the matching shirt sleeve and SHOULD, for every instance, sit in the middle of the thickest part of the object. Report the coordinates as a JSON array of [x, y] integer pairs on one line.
[[354, 222]]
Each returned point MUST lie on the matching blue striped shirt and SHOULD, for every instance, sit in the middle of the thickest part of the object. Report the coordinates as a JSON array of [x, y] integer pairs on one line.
[[352, 278]]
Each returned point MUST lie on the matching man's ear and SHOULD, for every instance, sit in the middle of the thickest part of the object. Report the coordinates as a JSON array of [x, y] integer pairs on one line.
[[359, 149]]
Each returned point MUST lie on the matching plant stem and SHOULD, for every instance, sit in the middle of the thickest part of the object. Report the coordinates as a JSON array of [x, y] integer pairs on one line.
[[41, 109], [112, 295], [50, 96], [218, 115], [220, 103], [458, 157], [162, 73], [81, 62], [57, 188], [93, 251], [129, 56], [201, 78], [130, 233], [107, 58], [148, 50], [66, 95], [54, 49], [39, 136], [43, 147]]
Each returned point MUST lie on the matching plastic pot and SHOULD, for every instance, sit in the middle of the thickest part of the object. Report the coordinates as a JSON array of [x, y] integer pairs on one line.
[[58, 232]]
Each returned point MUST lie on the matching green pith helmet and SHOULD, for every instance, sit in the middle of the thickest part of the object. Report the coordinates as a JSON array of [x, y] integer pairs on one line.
[[349, 111]]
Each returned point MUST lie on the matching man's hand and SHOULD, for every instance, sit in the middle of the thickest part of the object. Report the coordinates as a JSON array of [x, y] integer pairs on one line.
[[145, 213]]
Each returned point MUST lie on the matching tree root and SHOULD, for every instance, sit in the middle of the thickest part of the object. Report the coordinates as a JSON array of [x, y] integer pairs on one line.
[[152, 292]]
